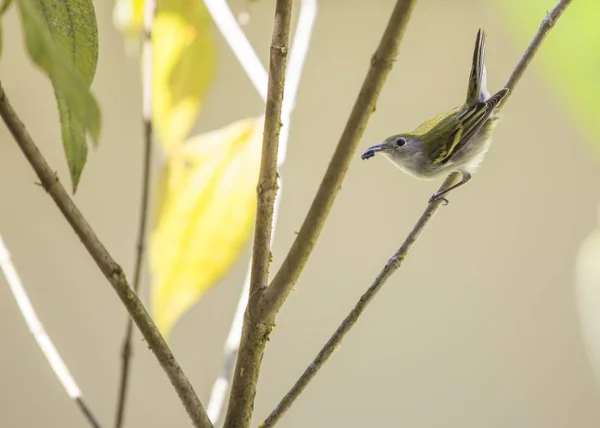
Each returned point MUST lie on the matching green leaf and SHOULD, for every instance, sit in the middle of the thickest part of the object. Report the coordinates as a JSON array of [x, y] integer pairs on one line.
[[569, 57], [62, 39], [3, 8]]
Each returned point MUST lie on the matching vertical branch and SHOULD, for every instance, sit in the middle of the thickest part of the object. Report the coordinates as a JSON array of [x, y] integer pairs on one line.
[[147, 74], [267, 180], [255, 331], [297, 58], [36, 328]]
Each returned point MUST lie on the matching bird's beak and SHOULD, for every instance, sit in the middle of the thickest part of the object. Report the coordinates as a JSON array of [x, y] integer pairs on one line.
[[370, 152]]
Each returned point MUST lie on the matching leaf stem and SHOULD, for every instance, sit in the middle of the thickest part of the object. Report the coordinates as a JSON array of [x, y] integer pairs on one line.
[[147, 74], [109, 267], [396, 260]]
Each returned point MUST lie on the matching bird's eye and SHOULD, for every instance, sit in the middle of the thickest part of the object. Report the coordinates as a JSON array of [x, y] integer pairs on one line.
[[400, 142]]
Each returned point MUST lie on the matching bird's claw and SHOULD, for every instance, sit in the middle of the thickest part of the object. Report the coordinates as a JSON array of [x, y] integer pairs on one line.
[[439, 197]]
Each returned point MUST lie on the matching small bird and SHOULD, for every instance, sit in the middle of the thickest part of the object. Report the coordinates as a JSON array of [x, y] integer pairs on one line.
[[452, 141]]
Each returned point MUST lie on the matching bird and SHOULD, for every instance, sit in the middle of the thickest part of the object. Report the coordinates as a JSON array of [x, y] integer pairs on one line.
[[453, 141]]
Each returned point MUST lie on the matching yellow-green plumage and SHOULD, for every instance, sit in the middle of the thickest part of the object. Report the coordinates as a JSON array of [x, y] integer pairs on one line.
[[453, 141]]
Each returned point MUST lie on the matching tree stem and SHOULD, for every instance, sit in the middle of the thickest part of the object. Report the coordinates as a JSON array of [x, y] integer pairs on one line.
[[257, 326]]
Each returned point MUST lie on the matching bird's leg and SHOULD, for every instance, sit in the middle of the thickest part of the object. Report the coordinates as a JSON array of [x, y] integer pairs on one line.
[[440, 195]]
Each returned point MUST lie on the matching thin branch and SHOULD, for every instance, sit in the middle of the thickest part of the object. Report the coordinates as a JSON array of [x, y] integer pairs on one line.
[[298, 54], [267, 179], [36, 328], [147, 74], [545, 26], [381, 64], [392, 265], [248, 59], [230, 350], [396, 261], [109, 267], [239, 43], [87, 412], [255, 331]]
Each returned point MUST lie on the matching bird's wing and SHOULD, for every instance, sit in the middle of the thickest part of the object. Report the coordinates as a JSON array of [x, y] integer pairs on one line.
[[470, 122]]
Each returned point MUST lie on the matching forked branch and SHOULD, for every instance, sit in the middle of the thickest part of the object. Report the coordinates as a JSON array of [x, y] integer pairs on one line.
[[396, 260]]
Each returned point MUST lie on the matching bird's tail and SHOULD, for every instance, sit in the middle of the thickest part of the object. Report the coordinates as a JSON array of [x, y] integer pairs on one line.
[[477, 90]]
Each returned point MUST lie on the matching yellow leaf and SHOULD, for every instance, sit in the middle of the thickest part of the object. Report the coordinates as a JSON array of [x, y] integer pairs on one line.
[[184, 61], [206, 205], [128, 16], [184, 64]]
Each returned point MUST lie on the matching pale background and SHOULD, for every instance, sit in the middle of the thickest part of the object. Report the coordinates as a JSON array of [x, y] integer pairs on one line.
[[479, 327]]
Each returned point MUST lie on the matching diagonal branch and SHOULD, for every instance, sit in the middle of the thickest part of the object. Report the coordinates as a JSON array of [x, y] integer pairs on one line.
[[381, 64], [392, 265], [147, 74], [396, 260], [109, 267], [543, 30], [36, 328], [256, 329]]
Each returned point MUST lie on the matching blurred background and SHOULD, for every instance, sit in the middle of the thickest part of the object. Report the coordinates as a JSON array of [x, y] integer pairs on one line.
[[480, 327]]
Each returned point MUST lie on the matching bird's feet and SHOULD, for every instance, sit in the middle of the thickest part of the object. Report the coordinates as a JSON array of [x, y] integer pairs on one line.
[[439, 196]]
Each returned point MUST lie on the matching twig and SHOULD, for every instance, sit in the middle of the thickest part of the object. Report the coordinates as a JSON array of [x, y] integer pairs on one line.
[[41, 337], [381, 64], [392, 265], [545, 26], [147, 74], [255, 331], [248, 59], [109, 267], [239, 43], [396, 261], [267, 179], [298, 54]]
